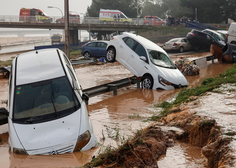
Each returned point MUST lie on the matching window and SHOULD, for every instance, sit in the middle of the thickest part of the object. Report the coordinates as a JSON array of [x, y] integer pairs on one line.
[[43, 101], [66, 59], [91, 45], [75, 84], [102, 45], [140, 50], [130, 42], [161, 59]]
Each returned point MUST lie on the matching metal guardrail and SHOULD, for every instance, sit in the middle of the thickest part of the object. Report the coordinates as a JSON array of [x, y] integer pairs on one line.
[[83, 20], [112, 86]]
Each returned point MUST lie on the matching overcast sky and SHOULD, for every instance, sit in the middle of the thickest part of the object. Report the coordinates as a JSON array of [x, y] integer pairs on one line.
[[12, 7]]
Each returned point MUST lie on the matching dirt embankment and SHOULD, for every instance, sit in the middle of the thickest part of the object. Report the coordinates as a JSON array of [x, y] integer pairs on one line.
[[204, 132], [164, 33], [183, 125]]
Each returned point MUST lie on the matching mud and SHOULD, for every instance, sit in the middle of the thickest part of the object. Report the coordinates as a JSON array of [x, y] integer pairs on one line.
[[114, 118]]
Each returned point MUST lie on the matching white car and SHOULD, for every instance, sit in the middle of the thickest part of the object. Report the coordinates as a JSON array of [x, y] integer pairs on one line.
[[47, 110], [180, 44], [147, 60]]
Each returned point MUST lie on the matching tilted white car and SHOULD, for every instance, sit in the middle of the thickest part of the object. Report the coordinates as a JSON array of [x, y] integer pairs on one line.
[[147, 60], [47, 110]]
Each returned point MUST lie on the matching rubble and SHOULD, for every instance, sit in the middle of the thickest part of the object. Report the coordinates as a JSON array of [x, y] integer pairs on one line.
[[187, 67]]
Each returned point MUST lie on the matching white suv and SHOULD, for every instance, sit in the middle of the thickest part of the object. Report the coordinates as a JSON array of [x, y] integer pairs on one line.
[[147, 60], [47, 110]]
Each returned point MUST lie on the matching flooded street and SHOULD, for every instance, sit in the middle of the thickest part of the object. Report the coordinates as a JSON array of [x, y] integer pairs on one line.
[[114, 118]]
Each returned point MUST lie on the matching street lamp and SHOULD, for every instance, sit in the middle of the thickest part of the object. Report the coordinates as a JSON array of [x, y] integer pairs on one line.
[[57, 8]]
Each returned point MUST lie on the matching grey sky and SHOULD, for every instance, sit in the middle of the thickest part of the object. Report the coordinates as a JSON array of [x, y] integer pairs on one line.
[[12, 7]]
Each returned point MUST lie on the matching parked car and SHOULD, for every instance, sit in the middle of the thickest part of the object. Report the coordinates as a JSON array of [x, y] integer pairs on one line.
[[94, 49], [218, 36], [72, 19], [199, 39], [153, 20], [47, 111], [147, 60], [179, 44]]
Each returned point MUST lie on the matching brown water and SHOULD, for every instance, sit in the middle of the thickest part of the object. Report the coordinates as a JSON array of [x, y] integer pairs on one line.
[[114, 118]]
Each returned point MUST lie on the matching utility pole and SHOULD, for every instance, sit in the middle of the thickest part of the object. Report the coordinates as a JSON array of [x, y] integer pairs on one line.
[[67, 29]]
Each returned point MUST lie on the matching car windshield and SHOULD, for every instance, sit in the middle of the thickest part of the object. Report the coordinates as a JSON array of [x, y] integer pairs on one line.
[[160, 59], [44, 101]]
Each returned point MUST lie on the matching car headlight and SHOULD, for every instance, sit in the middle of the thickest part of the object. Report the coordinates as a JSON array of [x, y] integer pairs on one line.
[[163, 81], [20, 151], [82, 140]]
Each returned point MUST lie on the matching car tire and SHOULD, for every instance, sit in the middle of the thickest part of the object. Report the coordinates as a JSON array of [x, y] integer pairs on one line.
[[58, 21], [104, 22], [111, 55], [87, 55], [147, 82], [147, 23], [163, 24], [181, 49]]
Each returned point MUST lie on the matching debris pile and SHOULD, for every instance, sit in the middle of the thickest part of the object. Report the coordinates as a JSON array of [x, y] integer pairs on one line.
[[187, 67]]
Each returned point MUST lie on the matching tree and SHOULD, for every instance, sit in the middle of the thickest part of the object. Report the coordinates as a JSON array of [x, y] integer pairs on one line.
[[128, 7], [162, 8], [212, 11]]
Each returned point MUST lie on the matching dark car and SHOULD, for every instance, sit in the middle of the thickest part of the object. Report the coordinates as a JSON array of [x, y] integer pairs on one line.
[[202, 40], [94, 49]]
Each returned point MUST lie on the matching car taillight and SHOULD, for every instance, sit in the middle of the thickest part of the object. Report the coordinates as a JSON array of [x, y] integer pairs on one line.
[[112, 38], [175, 44]]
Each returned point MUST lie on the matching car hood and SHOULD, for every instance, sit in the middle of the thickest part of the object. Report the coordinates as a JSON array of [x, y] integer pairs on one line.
[[173, 76], [49, 134]]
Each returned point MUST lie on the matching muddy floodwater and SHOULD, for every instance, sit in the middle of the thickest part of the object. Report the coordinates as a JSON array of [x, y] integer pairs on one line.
[[114, 119]]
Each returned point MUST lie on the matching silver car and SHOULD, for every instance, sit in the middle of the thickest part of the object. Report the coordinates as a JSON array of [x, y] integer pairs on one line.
[[179, 44]]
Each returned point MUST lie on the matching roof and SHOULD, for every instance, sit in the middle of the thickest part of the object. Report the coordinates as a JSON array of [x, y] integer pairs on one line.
[[145, 42], [38, 65]]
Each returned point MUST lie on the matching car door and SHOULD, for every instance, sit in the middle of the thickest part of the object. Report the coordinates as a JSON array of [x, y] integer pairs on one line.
[[124, 50], [136, 65], [101, 49], [92, 48]]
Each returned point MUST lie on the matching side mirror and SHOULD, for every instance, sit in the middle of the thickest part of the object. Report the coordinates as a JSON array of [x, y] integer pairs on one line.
[[85, 97], [3, 111], [143, 58]]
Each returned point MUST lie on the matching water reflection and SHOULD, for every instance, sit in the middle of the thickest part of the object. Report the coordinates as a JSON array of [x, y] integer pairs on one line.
[[75, 159]]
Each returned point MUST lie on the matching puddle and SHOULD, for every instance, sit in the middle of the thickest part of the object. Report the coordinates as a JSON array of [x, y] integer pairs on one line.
[[182, 156], [113, 117]]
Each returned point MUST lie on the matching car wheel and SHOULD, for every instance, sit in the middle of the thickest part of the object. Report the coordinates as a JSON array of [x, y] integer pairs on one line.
[[73, 21], [87, 55], [163, 24], [147, 23], [181, 49], [58, 21], [111, 55], [104, 22], [147, 82]]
